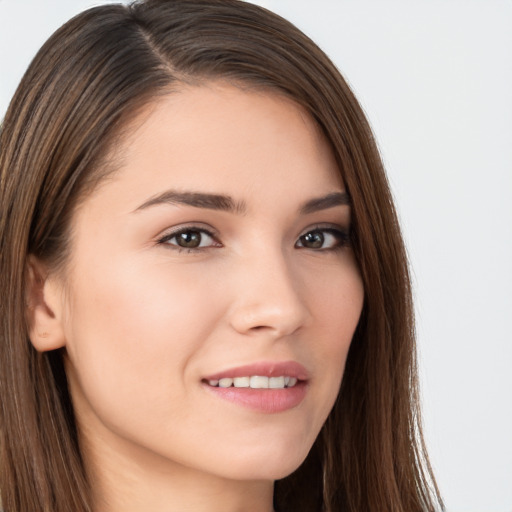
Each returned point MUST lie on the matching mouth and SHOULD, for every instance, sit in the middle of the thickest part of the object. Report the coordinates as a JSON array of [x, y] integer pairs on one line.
[[264, 387], [255, 382]]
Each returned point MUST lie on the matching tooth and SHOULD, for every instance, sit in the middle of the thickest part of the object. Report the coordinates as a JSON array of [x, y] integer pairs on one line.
[[241, 382], [292, 382], [276, 382], [225, 383], [213, 383], [286, 381], [258, 382]]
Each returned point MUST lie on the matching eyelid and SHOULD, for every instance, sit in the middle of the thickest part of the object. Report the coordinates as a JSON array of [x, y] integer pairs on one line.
[[167, 235], [344, 234], [326, 226]]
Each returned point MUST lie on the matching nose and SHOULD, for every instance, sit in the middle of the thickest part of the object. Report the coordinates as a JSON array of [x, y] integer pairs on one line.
[[269, 297]]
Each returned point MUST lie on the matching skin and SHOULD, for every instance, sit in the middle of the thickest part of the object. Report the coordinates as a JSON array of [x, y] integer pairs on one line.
[[143, 322]]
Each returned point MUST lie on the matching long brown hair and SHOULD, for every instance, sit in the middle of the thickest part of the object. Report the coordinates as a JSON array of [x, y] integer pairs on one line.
[[83, 87]]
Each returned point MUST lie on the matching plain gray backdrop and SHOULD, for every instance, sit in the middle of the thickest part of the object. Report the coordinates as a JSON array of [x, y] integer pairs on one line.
[[435, 78]]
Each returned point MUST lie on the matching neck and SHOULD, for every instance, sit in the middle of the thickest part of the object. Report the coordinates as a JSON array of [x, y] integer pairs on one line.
[[122, 482]]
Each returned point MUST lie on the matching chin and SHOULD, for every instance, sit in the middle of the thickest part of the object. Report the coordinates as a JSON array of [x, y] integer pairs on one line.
[[266, 465], [273, 473]]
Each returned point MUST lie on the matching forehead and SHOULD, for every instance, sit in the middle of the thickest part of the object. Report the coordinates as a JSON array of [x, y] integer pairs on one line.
[[224, 139]]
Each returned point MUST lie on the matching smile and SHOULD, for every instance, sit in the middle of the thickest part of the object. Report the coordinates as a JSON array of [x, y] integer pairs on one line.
[[255, 382], [266, 387]]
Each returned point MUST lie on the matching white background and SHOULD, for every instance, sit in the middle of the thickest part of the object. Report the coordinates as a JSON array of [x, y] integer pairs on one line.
[[435, 78]]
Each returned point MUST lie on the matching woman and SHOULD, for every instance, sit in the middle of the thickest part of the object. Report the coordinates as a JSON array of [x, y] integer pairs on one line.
[[207, 300]]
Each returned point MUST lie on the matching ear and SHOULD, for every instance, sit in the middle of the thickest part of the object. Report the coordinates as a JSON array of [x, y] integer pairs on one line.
[[44, 307]]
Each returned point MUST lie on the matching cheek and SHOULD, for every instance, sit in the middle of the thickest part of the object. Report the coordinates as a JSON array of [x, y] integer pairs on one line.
[[337, 308], [336, 304], [133, 329]]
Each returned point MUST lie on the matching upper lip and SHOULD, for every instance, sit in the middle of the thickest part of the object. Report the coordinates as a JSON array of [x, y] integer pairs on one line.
[[264, 369]]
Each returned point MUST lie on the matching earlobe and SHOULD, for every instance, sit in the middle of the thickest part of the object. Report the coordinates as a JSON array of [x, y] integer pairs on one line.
[[43, 308]]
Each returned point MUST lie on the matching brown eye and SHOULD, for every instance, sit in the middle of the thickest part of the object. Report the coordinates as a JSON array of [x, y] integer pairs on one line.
[[189, 239], [312, 240], [323, 239]]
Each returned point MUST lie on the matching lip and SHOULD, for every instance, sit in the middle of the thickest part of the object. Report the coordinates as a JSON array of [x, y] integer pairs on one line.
[[269, 401]]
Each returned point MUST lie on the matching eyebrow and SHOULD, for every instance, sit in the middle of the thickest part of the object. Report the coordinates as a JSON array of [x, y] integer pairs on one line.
[[197, 200], [228, 204], [324, 203]]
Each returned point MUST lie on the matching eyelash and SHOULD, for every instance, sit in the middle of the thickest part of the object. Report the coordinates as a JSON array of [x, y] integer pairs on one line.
[[188, 229], [342, 237]]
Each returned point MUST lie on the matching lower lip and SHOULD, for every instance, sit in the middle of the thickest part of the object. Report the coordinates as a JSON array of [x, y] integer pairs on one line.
[[269, 401]]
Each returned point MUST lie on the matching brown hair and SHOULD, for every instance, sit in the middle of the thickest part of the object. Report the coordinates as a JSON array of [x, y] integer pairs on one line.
[[84, 85]]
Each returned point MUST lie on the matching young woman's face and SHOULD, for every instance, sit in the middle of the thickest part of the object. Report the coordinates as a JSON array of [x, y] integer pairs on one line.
[[217, 255]]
